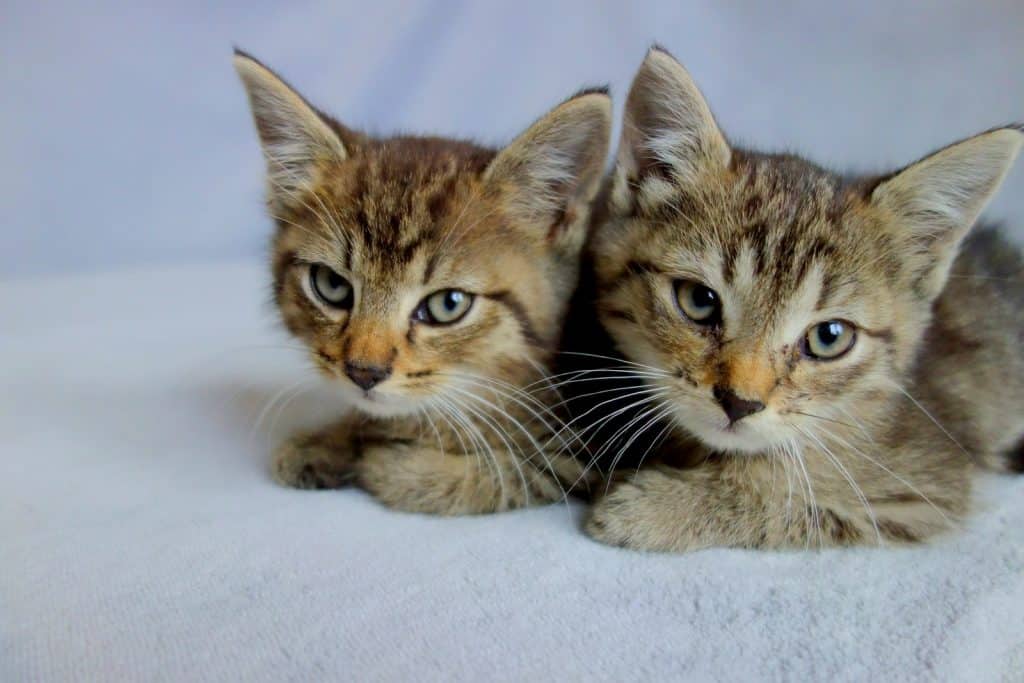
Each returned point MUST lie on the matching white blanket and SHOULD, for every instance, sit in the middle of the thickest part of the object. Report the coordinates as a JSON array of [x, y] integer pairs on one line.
[[141, 538]]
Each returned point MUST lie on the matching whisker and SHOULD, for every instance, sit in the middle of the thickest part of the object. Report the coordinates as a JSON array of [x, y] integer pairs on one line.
[[609, 374], [618, 360], [272, 402], [549, 429], [821, 417], [659, 412], [646, 393], [284, 405], [484, 419], [897, 477], [591, 394], [537, 447], [486, 453], [597, 426], [834, 459], [656, 442], [932, 418], [811, 510]]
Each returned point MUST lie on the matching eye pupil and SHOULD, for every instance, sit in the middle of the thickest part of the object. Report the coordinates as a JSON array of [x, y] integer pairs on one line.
[[334, 280], [703, 297], [830, 332]]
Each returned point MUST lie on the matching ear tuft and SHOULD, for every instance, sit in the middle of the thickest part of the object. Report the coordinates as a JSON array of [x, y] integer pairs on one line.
[[668, 128], [295, 137], [550, 174], [937, 199]]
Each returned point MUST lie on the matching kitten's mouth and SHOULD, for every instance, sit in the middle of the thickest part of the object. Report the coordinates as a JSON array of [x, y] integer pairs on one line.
[[379, 403], [374, 402], [734, 437]]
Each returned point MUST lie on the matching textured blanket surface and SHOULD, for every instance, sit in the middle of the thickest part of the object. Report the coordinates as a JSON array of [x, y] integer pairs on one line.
[[141, 538]]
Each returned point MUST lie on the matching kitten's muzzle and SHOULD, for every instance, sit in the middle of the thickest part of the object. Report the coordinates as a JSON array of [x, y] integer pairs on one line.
[[735, 408], [366, 375]]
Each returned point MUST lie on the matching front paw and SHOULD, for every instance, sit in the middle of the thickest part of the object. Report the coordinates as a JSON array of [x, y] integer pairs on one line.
[[411, 480], [640, 514], [307, 462]]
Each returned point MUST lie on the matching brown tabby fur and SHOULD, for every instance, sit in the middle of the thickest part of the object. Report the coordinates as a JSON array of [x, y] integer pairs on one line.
[[875, 447], [461, 425]]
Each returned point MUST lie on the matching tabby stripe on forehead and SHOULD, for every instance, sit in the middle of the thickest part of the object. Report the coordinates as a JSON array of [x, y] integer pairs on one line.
[[828, 289], [515, 306], [818, 249], [428, 272], [730, 252], [406, 251], [757, 235]]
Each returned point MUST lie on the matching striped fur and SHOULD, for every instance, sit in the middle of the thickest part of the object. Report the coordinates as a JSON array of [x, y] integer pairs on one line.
[[876, 446], [452, 429]]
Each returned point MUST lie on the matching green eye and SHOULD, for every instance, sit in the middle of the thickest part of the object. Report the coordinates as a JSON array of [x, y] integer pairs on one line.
[[829, 340], [698, 302], [444, 307], [333, 289]]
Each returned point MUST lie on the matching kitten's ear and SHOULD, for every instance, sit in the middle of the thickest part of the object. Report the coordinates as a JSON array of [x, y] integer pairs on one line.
[[295, 136], [548, 176], [668, 129], [937, 199]]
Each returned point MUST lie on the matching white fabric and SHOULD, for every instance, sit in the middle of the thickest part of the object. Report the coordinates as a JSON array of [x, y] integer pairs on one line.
[[141, 539]]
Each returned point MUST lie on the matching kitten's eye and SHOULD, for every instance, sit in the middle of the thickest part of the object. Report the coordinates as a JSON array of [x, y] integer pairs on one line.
[[332, 288], [700, 303], [444, 307], [829, 340]]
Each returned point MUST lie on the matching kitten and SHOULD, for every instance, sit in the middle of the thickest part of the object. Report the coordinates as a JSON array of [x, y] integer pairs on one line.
[[837, 352], [429, 278]]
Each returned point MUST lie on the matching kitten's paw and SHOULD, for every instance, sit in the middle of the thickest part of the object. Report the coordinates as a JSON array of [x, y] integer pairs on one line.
[[637, 515], [418, 478], [410, 479], [613, 518], [307, 463]]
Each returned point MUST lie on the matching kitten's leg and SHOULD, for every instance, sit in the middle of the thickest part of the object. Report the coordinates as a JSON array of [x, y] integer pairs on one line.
[[674, 510], [419, 477], [737, 503], [317, 460]]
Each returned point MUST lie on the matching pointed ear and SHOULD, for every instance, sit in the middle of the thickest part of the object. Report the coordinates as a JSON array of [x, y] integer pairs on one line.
[[295, 136], [937, 199], [668, 129], [549, 175]]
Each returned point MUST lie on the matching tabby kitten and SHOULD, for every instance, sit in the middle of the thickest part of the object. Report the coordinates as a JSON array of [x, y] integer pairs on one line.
[[429, 279], [841, 356]]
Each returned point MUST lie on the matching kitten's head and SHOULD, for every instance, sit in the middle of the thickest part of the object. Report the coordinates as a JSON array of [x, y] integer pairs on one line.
[[411, 266], [763, 288]]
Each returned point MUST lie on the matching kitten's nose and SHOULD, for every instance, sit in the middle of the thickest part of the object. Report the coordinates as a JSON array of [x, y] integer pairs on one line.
[[735, 408], [366, 375]]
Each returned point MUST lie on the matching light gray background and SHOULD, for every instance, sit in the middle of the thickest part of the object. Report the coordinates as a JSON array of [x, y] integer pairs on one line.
[[124, 137]]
